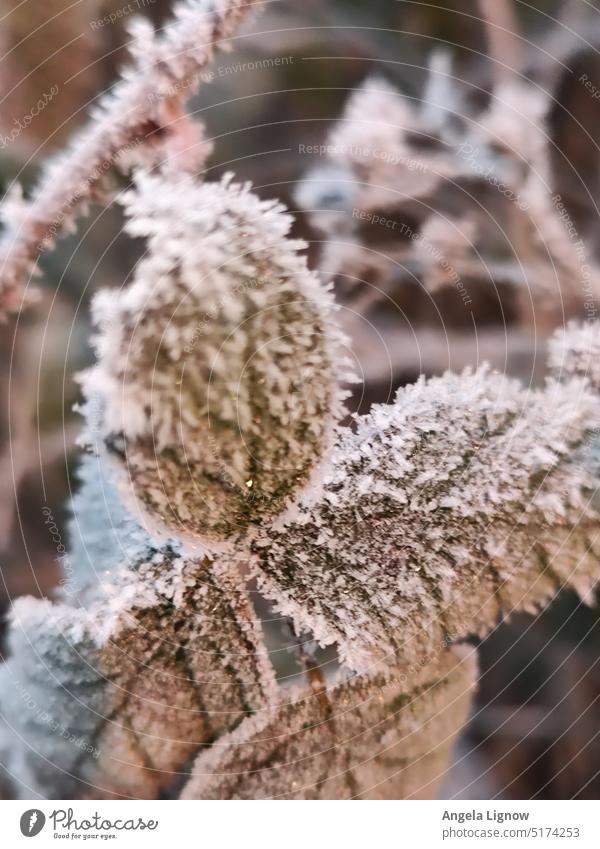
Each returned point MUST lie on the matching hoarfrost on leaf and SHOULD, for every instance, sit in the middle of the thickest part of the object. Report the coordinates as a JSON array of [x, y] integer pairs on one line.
[[483, 506], [575, 351], [219, 366], [370, 737], [113, 700]]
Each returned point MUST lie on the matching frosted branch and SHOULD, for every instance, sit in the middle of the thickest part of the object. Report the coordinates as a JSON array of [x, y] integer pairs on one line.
[[165, 72]]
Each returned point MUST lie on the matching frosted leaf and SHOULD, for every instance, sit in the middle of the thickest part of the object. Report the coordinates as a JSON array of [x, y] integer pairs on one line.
[[103, 536], [575, 350], [460, 502], [369, 737], [114, 700], [218, 366]]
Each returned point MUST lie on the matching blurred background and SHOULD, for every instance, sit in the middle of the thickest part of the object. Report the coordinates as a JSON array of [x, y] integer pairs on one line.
[[441, 159]]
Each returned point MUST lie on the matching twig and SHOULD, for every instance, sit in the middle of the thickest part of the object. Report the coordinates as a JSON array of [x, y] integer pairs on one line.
[[165, 71], [503, 41]]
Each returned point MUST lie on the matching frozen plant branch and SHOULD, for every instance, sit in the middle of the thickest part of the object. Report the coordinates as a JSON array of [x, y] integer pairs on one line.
[[214, 406], [504, 40], [165, 72]]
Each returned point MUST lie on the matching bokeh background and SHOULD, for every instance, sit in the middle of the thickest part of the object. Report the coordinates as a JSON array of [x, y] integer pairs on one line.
[[535, 727]]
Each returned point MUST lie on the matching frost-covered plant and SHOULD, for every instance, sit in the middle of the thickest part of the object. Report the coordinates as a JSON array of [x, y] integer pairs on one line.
[[425, 167], [461, 501], [352, 734], [219, 374], [140, 119], [131, 693], [112, 689]]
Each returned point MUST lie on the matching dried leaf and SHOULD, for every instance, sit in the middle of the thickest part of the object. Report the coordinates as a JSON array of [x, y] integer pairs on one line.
[[369, 737], [114, 700]]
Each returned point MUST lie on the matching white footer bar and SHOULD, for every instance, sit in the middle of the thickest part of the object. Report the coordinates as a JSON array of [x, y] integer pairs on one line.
[[301, 825]]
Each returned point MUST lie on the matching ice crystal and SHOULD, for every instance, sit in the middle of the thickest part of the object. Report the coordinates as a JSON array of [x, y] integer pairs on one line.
[[373, 736], [218, 366], [113, 700], [575, 351], [462, 501], [131, 117]]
